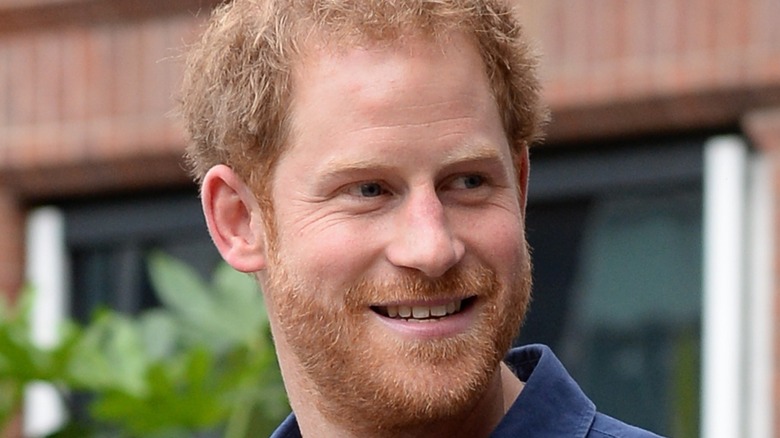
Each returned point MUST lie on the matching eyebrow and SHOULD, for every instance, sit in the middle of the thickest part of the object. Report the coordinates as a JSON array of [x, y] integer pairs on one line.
[[477, 153], [480, 153]]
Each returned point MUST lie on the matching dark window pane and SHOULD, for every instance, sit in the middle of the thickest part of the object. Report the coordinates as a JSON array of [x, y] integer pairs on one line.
[[617, 248]]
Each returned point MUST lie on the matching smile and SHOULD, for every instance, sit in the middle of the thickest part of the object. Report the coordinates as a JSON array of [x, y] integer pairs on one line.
[[423, 312]]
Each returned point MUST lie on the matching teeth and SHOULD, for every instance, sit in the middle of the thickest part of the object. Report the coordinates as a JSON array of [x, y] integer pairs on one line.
[[439, 310], [423, 313]]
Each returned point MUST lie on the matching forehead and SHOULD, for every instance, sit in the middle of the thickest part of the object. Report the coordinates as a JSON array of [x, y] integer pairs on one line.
[[411, 106], [385, 81]]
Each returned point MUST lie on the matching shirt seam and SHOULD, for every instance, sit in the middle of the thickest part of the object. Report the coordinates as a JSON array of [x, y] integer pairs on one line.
[[604, 432]]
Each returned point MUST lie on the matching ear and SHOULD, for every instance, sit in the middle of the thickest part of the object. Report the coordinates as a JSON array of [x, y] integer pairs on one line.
[[234, 219]]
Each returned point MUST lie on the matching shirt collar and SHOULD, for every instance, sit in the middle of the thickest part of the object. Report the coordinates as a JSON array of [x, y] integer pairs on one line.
[[551, 403]]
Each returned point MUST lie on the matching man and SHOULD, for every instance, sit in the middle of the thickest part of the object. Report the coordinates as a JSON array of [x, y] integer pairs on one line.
[[367, 161]]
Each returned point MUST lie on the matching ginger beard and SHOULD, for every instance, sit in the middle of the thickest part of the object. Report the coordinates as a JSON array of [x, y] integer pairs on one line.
[[361, 375]]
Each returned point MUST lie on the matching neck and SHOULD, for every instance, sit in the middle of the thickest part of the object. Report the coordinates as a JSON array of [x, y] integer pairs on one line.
[[479, 421]]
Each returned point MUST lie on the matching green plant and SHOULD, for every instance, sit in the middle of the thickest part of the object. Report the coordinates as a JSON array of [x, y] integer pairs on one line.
[[202, 362]]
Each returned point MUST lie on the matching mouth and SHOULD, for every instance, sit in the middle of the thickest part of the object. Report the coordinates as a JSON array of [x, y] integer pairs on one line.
[[423, 312]]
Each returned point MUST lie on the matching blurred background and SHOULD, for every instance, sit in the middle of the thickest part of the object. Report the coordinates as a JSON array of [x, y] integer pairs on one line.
[[652, 210]]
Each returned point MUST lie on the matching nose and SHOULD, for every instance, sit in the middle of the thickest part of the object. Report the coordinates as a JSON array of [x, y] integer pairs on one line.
[[423, 239]]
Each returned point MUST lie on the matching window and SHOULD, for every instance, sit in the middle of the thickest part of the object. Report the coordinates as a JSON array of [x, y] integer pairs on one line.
[[108, 241], [616, 237]]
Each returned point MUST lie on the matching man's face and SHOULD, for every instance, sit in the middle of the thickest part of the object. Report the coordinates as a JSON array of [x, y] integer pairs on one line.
[[398, 271]]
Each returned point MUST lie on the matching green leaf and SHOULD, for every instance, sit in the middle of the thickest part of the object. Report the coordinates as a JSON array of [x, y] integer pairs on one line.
[[182, 397], [20, 357], [10, 400], [159, 332], [189, 298], [110, 355], [202, 363], [179, 287], [239, 300]]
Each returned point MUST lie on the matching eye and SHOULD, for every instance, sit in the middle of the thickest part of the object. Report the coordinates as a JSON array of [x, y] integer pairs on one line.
[[471, 181], [467, 188], [367, 190], [370, 190]]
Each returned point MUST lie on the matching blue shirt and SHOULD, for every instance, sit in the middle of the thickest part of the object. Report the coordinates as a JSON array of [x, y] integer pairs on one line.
[[551, 404]]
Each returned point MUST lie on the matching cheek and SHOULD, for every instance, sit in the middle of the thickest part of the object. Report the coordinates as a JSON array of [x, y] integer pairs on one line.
[[499, 241], [509, 244], [339, 254]]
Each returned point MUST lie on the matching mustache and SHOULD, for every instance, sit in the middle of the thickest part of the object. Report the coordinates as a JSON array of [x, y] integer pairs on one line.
[[457, 283]]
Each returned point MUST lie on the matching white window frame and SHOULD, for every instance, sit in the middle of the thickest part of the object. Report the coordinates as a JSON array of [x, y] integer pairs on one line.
[[737, 356], [47, 273]]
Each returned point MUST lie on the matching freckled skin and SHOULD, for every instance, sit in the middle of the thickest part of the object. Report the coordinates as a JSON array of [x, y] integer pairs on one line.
[[398, 165]]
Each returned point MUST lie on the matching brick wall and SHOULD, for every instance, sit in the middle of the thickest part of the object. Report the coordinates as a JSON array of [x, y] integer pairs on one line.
[[86, 85], [600, 50], [613, 67], [88, 100]]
